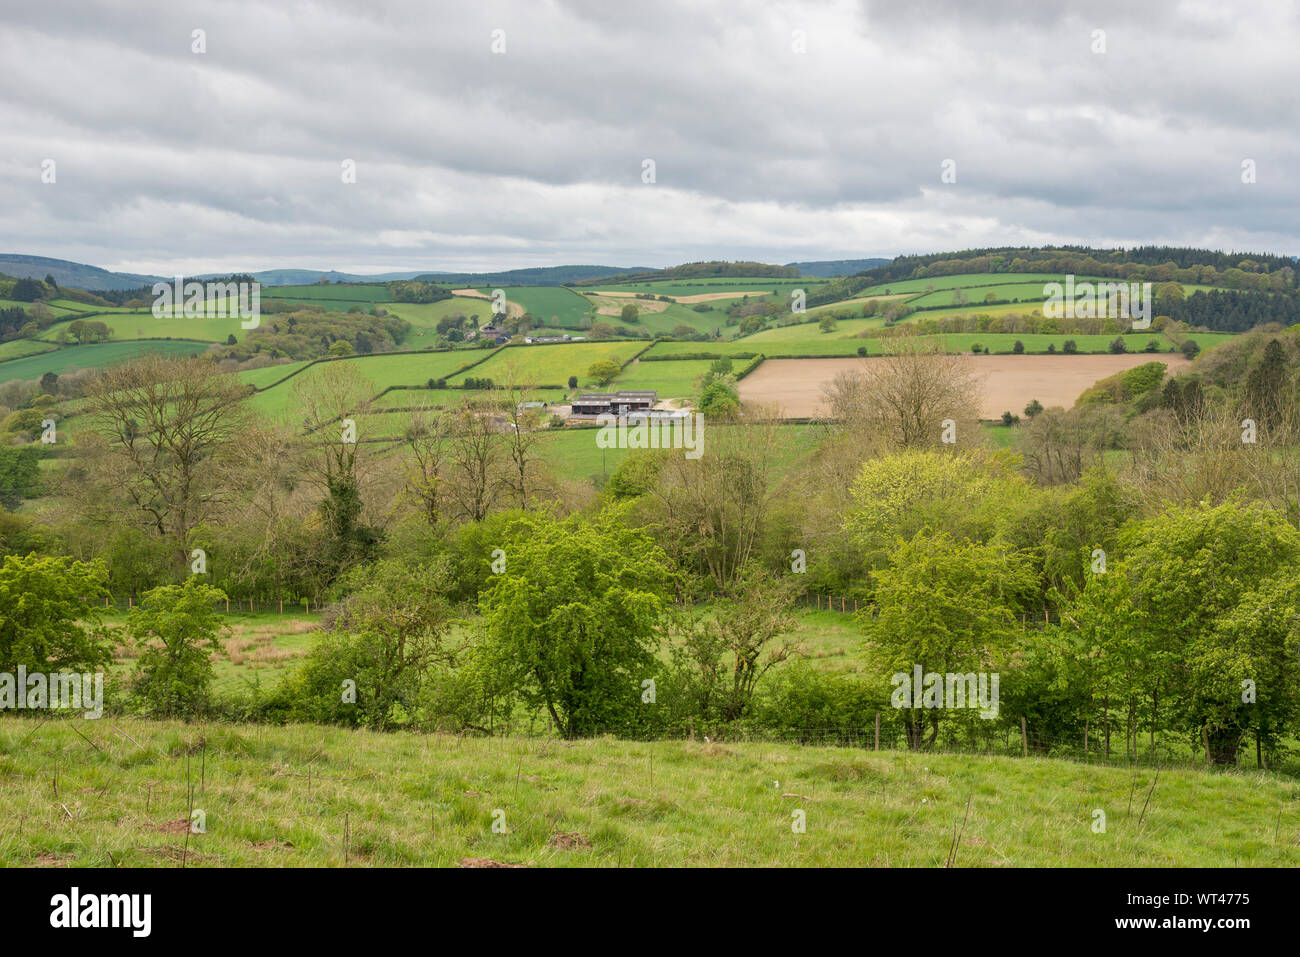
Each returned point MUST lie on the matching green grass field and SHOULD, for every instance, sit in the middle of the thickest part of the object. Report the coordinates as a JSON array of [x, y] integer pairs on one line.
[[666, 320], [380, 370], [58, 308], [268, 375], [333, 292], [80, 307], [17, 348], [145, 325], [91, 357], [673, 380], [116, 792], [552, 364], [808, 340], [704, 286], [424, 317], [549, 305], [972, 281]]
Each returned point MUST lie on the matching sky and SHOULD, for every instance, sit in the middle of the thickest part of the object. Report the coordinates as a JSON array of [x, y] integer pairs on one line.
[[493, 135]]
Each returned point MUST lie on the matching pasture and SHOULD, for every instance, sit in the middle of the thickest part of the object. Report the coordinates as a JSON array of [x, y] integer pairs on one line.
[[554, 306], [551, 364], [117, 793], [424, 317], [376, 371], [96, 356], [673, 380], [145, 325]]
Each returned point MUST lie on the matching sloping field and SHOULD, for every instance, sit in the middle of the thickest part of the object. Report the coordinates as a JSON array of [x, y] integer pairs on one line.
[[550, 305], [268, 375], [91, 357], [551, 364], [145, 325], [673, 380], [1010, 382], [354, 295], [424, 317], [284, 796], [56, 309], [381, 371], [755, 286], [24, 347]]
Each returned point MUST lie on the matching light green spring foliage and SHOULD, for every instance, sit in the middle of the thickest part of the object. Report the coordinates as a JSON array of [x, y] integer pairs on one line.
[[972, 495], [49, 617], [177, 627], [573, 618], [947, 604]]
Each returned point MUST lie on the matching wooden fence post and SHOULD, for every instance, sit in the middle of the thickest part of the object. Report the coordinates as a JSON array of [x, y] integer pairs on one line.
[[877, 730], [1205, 739], [1024, 737]]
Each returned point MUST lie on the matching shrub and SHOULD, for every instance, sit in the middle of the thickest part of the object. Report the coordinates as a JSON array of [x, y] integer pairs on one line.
[[175, 677]]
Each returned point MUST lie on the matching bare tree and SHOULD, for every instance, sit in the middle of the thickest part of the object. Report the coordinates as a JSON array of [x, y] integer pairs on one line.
[[524, 472], [1059, 445], [903, 399], [167, 423], [331, 398], [477, 455], [428, 437], [712, 509]]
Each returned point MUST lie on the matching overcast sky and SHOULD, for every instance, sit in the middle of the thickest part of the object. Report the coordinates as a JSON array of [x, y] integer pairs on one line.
[[167, 160]]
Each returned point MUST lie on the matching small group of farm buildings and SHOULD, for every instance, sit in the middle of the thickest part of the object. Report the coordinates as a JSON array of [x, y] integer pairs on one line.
[[592, 404]]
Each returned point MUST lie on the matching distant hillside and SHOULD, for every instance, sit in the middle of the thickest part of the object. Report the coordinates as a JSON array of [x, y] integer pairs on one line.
[[830, 268], [67, 273], [306, 277], [1209, 265], [720, 269], [535, 276]]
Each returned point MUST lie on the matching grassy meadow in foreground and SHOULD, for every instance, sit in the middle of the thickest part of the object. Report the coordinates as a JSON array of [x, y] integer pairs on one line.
[[119, 796]]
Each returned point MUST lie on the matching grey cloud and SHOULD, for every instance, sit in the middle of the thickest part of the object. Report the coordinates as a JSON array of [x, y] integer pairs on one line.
[[473, 160]]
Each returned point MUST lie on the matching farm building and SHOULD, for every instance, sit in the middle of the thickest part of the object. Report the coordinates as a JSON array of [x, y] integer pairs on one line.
[[563, 338], [615, 403]]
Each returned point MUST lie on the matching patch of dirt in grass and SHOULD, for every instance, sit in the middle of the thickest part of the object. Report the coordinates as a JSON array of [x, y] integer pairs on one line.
[[569, 841], [178, 826], [172, 853], [486, 862], [271, 845], [50, 859]]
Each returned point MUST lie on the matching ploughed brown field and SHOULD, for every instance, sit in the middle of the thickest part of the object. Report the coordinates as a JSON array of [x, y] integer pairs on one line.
[[1010, 382]]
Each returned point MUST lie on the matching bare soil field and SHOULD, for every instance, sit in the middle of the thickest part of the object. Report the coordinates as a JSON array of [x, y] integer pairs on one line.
[[1010, 382]]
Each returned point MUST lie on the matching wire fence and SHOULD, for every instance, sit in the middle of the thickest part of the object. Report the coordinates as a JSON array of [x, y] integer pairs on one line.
[[251, 606]]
